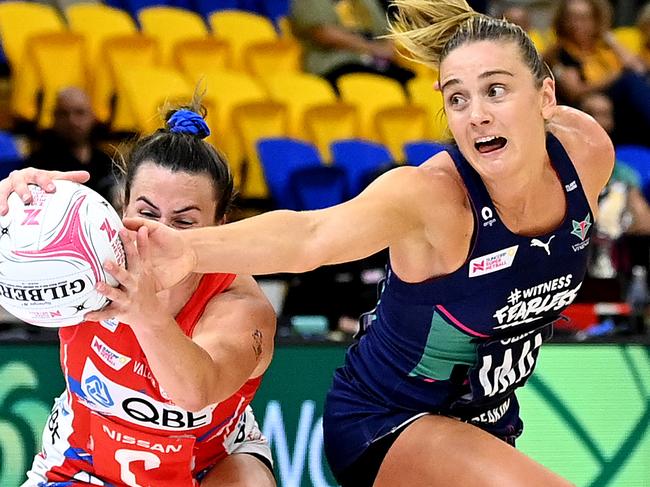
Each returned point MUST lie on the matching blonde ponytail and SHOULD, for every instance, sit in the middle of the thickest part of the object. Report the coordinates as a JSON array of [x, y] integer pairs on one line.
[[423, 27]]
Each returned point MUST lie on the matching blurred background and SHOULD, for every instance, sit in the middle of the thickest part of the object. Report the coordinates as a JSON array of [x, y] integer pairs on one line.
[[309, 106]]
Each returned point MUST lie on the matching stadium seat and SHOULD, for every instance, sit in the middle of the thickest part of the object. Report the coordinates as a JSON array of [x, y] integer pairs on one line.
[[241, 29], [423, 94], [228, 90], [97, 22], [60, 62], [10, 157], [370, 93], [195, 57], [318, 187], [280, 158], [398, 125], [18, 22], [147, 89], [300, 92], [638, 158], [418, 152], [362, 160], [120, 54], [170, 25], [327, 123], [629, 37], [277, 56], [255, 121]]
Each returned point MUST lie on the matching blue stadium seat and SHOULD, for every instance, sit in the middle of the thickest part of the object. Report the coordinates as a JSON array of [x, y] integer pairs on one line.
[[362, 161], [418, 152], [318, 187], [638, 158], [10, 157], [280, 158]]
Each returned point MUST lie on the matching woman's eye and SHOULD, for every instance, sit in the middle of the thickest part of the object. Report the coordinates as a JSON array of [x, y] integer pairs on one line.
[[496, 90], [184, 223], [455, 100], [147, 214]]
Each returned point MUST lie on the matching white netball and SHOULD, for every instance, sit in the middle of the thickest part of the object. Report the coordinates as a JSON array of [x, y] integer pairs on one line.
[[52, 253]]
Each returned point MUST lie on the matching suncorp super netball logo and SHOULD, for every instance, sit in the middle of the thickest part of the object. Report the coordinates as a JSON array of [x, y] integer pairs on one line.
[[496, 261]]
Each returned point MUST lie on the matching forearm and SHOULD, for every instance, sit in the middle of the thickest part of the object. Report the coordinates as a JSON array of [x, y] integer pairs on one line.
[[273, 242], [183, 369]]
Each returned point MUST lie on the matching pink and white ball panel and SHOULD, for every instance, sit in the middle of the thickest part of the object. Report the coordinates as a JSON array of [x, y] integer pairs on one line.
[[52, 253]]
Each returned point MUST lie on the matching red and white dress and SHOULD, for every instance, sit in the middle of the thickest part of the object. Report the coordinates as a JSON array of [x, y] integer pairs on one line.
[[114, 424]]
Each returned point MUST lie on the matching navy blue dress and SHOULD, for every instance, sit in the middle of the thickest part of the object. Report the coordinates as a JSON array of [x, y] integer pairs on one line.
[[460, 344]]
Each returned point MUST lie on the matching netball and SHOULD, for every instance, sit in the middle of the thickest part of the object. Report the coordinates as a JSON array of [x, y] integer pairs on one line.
[[52, 253]]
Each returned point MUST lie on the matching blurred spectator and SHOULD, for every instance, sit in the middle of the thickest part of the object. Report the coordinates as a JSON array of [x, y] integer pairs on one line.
[[332, 50], [637, 221], [70, 144], [643, 23], [587, 58], [517, 14], [623, 221]]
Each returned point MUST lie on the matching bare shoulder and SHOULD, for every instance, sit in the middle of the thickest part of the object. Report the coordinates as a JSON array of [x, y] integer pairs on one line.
[[435, 180], [588, 145], [240, 316]]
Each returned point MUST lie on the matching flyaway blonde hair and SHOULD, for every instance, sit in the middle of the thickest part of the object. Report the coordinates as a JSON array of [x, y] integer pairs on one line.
[[430, 29]]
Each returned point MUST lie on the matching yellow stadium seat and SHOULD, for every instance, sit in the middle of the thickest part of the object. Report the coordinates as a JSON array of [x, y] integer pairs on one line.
[[97, 22], [148, 89], [286, 31], [228, 90], [120, 54], [278, 56], [424, 95], [241, 29], [399, 125], [255, 121], [18, 22], [419, 69], [370, 93], [629, 37], [299, 91], [21, 20], [195, 57], [327, 123], [170, 25], [60, 61]]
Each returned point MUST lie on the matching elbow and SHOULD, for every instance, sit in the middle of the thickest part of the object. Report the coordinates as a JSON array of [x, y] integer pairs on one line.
[[195, 402]]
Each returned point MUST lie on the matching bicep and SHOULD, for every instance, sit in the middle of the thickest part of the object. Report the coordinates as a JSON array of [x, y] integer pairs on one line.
[[384, 213], [237, 330]]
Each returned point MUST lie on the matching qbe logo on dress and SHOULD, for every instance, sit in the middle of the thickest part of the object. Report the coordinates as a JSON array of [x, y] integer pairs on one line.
[[496, 261]]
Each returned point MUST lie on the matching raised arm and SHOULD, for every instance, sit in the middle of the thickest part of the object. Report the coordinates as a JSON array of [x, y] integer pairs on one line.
[[405, 208], [232, 342]]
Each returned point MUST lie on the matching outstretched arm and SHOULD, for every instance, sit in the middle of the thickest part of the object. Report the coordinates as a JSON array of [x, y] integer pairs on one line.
[[393, 209]]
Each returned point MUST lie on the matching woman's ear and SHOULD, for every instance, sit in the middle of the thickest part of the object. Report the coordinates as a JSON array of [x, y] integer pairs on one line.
[[549, 102]]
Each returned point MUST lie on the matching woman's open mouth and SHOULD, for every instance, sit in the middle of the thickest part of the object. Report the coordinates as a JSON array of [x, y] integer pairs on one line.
[[486, 145]]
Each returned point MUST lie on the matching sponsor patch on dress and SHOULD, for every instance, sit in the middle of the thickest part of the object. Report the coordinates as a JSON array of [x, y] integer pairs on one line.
[[496, 261]]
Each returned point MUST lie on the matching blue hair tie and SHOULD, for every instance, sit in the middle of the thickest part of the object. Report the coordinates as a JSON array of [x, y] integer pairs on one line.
[[188, 122]]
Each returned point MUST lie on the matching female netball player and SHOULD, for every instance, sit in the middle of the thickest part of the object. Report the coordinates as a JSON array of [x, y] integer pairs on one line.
[[159, 395], [487, 245]]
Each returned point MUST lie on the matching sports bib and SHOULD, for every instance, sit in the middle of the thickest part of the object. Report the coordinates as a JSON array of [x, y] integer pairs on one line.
[[129, 457]]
